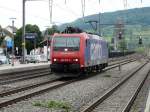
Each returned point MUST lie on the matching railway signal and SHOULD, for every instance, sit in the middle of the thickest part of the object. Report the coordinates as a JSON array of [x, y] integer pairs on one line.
[[120, 35], [112, 40], [140, 40]]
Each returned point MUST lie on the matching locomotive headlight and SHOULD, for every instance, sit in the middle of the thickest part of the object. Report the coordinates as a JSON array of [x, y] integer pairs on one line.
[[66, 49], [75, 60], [55, 59]]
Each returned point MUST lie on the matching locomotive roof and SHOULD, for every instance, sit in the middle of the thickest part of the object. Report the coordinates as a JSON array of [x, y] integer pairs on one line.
[[95, 36], [86, 35]]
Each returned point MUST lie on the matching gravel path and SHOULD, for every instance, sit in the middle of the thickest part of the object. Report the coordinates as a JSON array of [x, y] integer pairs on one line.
[[77, 94], [117, 101]]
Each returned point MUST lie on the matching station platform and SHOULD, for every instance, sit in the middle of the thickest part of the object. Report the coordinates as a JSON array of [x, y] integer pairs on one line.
[[147, 108], [8, 68]]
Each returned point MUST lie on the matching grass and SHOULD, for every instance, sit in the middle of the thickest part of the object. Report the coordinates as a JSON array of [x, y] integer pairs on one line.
[[54, 105], [140, 50], [107, 75]]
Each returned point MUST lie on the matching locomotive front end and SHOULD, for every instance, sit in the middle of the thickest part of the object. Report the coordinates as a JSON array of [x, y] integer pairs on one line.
[[66, 53]]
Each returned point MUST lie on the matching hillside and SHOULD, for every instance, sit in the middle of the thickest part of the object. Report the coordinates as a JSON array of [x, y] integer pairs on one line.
[[137, 16], [137, 22]]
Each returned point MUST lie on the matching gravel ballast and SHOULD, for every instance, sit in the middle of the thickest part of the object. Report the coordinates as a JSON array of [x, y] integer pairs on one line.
[[141, 100], [117, 101], [77, 94], [17, 84]]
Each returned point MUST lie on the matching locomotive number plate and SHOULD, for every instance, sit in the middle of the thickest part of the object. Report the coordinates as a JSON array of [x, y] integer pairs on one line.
[[65, 60]]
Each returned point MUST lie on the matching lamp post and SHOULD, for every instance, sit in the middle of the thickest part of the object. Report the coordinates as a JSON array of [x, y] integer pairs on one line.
[[23, 24], [12, 59], [47, 41], [99, 16], [23, 33]]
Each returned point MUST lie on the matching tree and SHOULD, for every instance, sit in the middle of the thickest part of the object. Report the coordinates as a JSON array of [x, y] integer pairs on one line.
[[122, 45], [1, 39], [52, 30], [2, 36], [29, 44]]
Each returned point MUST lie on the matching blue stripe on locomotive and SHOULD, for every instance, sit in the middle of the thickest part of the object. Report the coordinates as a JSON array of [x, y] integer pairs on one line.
[[96, 51], [87, 52]]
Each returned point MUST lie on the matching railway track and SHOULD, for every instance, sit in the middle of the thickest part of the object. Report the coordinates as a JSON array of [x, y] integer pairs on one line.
[[19, 76], [108, 93], [18, 89], [116, 64], [115, 59], [10, 78], [38, 88]]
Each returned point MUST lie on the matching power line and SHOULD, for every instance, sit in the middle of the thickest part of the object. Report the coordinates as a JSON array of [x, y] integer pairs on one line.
[[99, 27], [50, 10], [16, 11], [83, 8], [125, 3], [69, 10]]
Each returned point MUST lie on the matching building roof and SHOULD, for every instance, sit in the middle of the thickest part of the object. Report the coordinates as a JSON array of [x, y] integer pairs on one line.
[[11, 28]]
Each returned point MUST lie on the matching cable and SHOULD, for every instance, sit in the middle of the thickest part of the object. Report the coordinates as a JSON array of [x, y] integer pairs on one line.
[[125, 3], [69, 11], [50, 10], [83, 8], [99, 28], [16, 11]]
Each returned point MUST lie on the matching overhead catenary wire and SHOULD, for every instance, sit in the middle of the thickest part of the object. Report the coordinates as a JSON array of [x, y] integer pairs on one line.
[[99, 27], [39, 17], [50, 10], [69, 10], [36, 16], [20, 12], [83, 9], [125, 3]]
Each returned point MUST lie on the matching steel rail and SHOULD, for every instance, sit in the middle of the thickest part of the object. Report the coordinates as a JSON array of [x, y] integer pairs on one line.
[[17, 75], [26, 87], [24, 71], [29, 76], [33, 93], [135, 94], [109, 92], [117, 62], [53, 85]]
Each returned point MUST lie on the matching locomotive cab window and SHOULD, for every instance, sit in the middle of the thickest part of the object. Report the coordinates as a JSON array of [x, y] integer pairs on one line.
[[69, 43]]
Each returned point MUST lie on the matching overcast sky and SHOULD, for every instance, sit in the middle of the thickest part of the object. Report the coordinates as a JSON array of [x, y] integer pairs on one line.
[[37, 12]]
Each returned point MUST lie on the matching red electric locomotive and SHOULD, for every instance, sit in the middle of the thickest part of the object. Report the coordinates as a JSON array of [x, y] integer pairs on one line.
[[78, 52]]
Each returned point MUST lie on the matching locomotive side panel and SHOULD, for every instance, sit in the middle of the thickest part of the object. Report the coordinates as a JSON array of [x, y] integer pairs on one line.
[[96, 51], [87, 53]]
